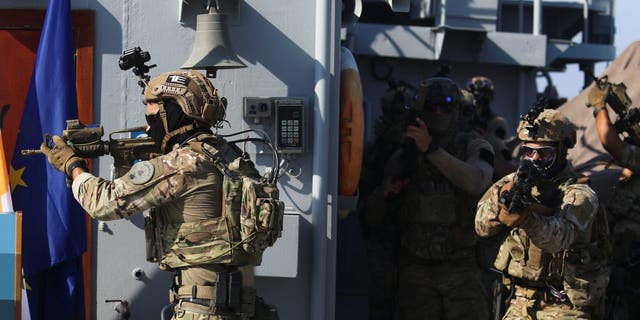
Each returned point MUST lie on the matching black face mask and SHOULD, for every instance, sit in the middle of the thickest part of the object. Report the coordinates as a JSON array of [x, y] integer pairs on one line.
[[155, 130], [176, 119]]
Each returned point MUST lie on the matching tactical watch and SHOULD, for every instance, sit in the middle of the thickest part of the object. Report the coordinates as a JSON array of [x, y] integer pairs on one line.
[[78, 164]]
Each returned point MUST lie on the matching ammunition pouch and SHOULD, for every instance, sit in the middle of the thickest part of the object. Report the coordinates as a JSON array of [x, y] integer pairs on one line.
[[586, 275], [261, 217], [255, 213], [520, 258]]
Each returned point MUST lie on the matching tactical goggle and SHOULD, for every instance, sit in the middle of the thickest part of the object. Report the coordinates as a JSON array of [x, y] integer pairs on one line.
[[442, 106], [543, 152]]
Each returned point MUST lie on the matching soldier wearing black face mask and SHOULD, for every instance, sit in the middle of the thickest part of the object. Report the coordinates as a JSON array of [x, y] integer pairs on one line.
[[176, 119], [187, 229]]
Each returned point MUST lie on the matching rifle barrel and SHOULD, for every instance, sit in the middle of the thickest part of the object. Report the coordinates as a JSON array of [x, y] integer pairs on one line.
[[30, 152]]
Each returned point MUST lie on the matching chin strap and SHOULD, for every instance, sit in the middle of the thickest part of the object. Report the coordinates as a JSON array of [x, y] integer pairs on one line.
[[176, 132], [163, 116]]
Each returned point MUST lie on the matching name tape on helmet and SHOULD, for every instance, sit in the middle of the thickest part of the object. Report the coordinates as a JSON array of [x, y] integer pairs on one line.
[[178, 79], [163, 88]]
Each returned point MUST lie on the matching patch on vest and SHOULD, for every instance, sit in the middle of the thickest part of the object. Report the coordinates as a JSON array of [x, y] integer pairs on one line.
[[141, 172]]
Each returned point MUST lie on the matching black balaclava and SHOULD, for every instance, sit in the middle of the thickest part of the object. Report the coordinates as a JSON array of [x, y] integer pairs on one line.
[[176, 119]]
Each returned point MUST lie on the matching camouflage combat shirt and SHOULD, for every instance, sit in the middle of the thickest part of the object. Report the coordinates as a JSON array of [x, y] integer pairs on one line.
[[571, 221], [183, 186]]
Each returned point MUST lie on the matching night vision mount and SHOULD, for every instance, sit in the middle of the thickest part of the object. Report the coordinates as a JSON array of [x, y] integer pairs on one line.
[[532, 114], [136, 58]]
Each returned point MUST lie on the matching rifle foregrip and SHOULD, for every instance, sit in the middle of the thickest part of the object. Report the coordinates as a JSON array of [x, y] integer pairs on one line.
[[93, 150]]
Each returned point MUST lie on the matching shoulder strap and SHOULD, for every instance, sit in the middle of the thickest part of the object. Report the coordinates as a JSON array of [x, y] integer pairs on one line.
[[227, 157]]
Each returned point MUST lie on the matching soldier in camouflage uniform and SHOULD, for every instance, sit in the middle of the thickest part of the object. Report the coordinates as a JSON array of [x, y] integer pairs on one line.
[[490, 125], [381, 232], [554, 259], [467, 111], [186, 231], [429, 187], [624, 208]]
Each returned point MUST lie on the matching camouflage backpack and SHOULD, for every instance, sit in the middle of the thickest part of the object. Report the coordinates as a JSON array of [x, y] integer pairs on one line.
[[251, 202]]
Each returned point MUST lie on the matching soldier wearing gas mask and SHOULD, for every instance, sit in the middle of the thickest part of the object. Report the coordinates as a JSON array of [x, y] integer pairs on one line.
[[554, 259], [187, 231], [430, 186]]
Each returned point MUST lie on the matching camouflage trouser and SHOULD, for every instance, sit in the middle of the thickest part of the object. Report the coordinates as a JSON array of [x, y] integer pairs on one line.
[[191, 311], [383, 279], [623, 292], [441, 290], [522, 308], [252, 306]]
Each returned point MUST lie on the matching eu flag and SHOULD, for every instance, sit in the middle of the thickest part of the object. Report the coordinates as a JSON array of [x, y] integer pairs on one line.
[[54, 234]]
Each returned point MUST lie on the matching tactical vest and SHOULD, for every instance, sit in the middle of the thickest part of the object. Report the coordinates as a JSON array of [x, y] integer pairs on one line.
[[251, 219], [580, 270], [437, 217]]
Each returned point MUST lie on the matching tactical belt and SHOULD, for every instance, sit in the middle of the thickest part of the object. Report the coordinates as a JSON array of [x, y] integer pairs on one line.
[[195, 292], [224, 295], [547, 292]]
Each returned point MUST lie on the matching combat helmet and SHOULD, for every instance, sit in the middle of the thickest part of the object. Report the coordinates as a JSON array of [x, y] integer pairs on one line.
[[438, 90], [398, 97], [549, 126], [481, 87], [195, 94], [443, 94]]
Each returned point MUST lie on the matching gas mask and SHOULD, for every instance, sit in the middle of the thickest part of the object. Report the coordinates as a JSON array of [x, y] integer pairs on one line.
[[547, 160]]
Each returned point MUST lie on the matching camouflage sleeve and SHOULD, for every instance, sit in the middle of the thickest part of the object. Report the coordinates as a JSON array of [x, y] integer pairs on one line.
[[472, 175], [630, 157], [557, 232], [165, 180], [487, 223]]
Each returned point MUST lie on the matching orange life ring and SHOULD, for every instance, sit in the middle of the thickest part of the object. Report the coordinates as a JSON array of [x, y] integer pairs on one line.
[[351, 126]]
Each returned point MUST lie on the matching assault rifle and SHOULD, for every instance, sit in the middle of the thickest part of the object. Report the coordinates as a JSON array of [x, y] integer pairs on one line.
[[517, 198], [617, 98], [87, 143], [407, 165]]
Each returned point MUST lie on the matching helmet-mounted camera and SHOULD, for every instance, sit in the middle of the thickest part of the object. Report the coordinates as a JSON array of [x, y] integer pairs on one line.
[[136, 58]]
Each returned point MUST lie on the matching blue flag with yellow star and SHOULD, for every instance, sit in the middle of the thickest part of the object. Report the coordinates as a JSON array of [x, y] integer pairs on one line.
[[54, 230]]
